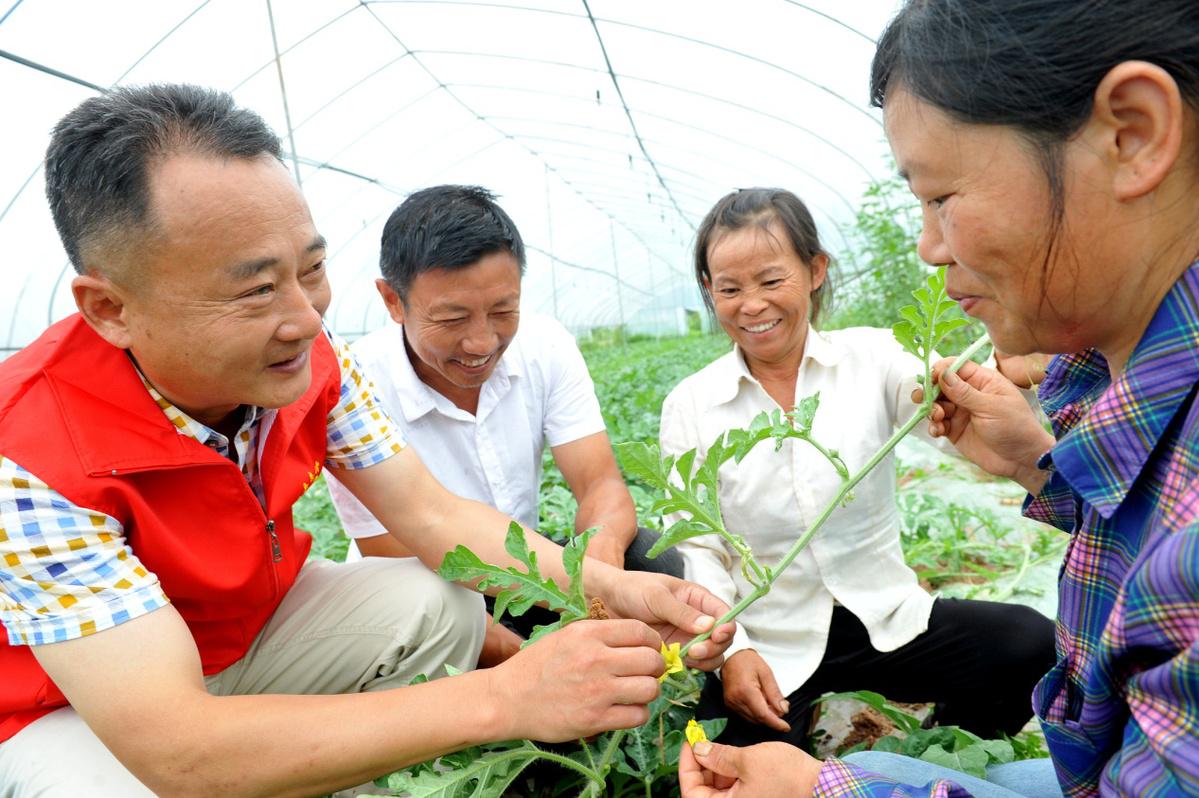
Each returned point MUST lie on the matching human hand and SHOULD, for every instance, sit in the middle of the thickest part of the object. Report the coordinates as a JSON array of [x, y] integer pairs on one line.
[[767, 770], [677, 610], [588, 678], [986, 418], [1024, 371], [751, 691]]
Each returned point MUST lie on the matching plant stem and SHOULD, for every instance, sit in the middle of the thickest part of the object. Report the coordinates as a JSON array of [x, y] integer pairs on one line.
[[716, 523], [587, 750], [847, 485], [930, 396], [835, 460], [1007, 592], [567, 762], [605, 763]]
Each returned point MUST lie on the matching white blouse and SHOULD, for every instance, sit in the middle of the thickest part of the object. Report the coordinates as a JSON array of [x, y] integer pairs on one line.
[[865, 380]]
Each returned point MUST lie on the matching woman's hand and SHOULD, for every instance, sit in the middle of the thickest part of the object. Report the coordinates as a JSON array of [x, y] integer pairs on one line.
[[768, 770], [751, 691], [984, 415]]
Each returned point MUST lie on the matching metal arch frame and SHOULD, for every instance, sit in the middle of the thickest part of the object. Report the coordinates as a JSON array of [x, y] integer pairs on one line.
[[355, 85], [833, 20], [749, 147], [668, 34], [629, 115], [502, 132], [319, 29], [592, 269], [758, 150], [818, 209], [651, 82]]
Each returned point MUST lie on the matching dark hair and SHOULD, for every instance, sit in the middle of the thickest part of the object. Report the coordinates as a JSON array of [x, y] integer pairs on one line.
[[1032, 65], [100, 154], [445, 227], [758, 207]]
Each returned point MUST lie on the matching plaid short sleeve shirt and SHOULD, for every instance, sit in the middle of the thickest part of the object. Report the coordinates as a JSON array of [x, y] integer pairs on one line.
[[1120, 708], [67, 571]]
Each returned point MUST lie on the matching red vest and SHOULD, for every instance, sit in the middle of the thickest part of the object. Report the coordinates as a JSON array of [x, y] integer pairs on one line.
[[74, 412]]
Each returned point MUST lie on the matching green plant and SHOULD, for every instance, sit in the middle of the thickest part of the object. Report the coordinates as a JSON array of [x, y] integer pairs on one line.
[[314, 513], [947, 746], [691, 491], [947, 543], [522, 589]]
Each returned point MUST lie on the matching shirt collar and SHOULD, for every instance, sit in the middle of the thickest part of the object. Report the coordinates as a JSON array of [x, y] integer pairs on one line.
[[191, 428], [1119, 424], [418, 399], [818, 346]]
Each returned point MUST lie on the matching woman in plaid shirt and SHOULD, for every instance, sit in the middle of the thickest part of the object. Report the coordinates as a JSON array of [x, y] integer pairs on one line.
[[1054, 147]]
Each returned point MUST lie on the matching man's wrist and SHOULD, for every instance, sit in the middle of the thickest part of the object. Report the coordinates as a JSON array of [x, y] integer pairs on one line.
[[621, 536], [609, 547], [495, 720]]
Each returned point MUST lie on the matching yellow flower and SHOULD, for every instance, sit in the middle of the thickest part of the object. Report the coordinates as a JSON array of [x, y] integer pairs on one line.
[[673, 660], [695, 733]]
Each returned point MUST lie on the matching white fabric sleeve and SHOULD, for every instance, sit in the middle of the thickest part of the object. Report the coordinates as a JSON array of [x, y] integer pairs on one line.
[[357, 521], [572, 410], [706, 559]]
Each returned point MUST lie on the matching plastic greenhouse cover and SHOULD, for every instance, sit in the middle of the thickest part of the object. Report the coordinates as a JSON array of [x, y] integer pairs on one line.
[[607, 127]]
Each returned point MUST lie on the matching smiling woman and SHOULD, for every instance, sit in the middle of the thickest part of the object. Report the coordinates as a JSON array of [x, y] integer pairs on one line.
[[848, 614]]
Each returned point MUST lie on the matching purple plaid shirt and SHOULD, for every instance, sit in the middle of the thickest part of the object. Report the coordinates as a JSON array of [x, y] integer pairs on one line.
[[1120, 709]]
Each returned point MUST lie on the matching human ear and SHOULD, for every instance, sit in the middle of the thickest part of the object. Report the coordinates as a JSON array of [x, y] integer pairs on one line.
[[819, 270], [102, 305], [1138, 112], [395, 306]]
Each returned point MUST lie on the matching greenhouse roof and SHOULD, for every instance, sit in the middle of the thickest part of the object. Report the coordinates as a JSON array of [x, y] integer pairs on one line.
[[607, 127]]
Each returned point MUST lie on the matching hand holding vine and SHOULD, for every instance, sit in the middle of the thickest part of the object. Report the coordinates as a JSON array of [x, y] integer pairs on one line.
[[987, 419]]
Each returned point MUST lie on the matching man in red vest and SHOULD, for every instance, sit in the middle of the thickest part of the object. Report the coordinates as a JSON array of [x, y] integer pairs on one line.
[[163, 631]]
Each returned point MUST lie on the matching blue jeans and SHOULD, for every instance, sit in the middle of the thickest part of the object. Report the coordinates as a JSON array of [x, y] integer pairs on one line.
[[1028, 778]]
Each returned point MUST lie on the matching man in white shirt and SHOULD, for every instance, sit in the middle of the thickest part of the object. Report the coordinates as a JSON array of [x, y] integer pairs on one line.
[[478, 391]]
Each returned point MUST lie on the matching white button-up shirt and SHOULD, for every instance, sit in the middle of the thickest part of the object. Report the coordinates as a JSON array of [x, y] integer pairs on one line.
[[865, 381], [540, 393]]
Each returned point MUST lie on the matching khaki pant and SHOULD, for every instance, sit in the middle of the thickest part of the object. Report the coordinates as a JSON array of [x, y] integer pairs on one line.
[[342, 628]]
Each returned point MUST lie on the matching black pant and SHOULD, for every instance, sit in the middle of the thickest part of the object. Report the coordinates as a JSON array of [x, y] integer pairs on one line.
[[668, 562], [978, 661]]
